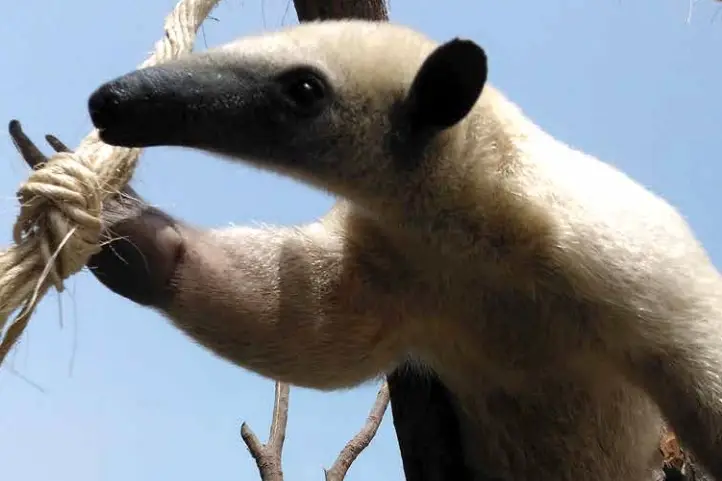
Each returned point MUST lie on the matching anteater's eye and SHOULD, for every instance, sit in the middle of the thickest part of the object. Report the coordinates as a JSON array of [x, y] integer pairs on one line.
[[306, 90]]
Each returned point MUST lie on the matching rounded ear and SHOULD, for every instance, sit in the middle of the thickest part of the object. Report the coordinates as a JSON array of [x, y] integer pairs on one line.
[[447, 85]]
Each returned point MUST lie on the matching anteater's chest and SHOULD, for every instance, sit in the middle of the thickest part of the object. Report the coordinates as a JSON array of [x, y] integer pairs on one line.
[[512, 334], [535, 397], [561, 428]]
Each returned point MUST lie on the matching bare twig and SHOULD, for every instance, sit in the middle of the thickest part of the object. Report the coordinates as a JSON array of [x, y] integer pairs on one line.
[[359, 442], [678, 464], [268, 456]]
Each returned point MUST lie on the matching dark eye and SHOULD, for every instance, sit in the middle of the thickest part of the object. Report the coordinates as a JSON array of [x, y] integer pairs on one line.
[[305, 90]]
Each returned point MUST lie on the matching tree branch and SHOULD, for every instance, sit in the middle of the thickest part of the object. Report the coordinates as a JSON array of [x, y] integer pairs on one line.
[[268, 456], [362, 439], [309, 10], [277, 433]]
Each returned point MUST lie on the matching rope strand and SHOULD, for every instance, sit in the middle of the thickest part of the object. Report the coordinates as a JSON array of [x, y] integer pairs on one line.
[[59, 225]]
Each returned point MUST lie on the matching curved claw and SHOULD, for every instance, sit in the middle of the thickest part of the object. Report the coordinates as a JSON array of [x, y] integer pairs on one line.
[[143, 243], [56, 144], [26, 147]]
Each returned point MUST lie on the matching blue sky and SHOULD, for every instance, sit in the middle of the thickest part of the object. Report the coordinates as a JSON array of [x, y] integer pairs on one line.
[[629, 81]]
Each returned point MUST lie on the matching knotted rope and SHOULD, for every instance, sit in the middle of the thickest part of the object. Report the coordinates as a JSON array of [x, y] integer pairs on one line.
[[59, 226]]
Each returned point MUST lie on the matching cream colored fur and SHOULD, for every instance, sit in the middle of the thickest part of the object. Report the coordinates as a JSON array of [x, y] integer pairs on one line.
[[564, 305]]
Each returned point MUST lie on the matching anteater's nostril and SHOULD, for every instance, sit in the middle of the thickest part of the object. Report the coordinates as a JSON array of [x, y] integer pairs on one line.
[[104, 103]]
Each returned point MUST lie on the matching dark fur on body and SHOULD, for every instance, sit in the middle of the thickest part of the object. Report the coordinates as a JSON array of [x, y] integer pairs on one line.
[[566, 308]]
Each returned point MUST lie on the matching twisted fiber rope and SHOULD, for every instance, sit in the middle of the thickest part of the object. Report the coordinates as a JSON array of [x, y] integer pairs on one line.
[[59, 226]]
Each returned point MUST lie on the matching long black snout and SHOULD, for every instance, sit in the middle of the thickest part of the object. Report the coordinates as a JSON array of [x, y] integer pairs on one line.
[[174, 105]]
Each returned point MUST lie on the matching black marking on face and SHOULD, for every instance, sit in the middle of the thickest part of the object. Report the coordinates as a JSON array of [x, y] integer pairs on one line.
[[406, 145], [306, 88], [203, 103]]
